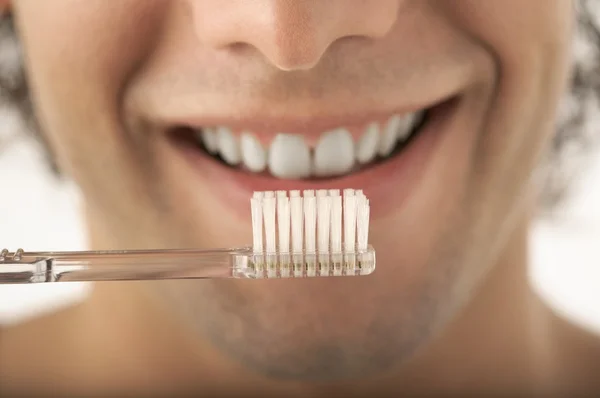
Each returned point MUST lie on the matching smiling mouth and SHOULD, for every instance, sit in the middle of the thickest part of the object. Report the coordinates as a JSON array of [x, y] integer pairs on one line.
[[335, 153]]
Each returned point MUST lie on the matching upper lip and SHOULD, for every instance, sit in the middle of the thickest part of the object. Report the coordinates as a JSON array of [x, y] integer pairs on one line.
[[263, 105], [290, 123], [309, 118], [295, 119], [310, 126]]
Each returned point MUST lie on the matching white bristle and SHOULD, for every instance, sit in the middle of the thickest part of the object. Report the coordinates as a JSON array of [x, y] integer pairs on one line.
[[362, 223], [336, 224], [310, 222], [349, 220], [283, 222], [257, 224], [323, 220], [297, 221], [303, 234], [360, 198], [270, 230], [327, 221]]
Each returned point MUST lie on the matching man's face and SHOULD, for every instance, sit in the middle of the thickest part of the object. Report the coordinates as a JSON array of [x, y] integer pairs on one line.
[[123, 89]]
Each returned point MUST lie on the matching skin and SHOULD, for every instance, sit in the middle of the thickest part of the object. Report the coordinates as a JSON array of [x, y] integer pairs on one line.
[[450, 312]]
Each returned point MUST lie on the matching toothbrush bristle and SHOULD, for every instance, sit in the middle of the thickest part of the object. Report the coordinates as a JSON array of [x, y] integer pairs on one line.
[[269, 212], [310, 221], [348, 192], [336, 224], [283, 221], [322, 193], [323, 221], [362, 223], [349, 220], [309, 232], [297, 222], [257, 224]]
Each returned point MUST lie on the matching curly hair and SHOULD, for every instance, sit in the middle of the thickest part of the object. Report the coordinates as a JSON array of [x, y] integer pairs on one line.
[[574, 141]]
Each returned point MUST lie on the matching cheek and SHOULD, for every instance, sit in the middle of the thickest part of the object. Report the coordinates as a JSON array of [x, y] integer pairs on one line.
[[529, 43], [79, 56]]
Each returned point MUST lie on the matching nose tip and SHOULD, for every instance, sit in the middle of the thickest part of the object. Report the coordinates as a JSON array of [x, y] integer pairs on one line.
[[291, 34], [294, 46]]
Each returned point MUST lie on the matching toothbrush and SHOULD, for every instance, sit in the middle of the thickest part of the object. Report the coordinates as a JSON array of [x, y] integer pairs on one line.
[[295, 235]]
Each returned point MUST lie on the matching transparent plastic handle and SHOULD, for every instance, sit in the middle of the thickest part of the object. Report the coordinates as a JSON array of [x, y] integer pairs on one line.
[[89, 266]]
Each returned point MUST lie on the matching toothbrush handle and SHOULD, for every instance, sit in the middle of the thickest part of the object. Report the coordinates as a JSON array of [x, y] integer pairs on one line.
[[91, 266]]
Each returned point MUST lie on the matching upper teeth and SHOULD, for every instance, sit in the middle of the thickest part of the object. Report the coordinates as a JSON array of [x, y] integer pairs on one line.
[[289, 156]]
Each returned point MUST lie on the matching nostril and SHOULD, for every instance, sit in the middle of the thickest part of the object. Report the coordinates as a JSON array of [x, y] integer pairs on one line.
[[291, 34], [295, 65]]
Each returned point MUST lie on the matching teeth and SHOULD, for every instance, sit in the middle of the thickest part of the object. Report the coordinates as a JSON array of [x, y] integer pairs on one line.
[[253, 154], [366, 148], [210, 140], [289, 157], [407, 125], [230, 151], [398, 128], [334, 154], [389, 137]]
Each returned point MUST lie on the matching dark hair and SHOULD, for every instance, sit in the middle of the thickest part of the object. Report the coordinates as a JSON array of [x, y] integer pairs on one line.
[[14, 92], [571, 147]]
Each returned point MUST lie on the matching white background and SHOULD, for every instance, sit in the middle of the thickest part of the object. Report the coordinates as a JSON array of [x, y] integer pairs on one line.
[[39, 213]]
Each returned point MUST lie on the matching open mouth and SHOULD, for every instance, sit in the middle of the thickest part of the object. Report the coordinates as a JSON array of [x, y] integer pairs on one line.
[[334, 153]]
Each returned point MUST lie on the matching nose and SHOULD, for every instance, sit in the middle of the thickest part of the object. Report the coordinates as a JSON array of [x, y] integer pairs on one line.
[[291, 34]]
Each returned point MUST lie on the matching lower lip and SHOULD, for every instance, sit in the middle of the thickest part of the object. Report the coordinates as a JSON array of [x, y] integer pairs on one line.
[[387, 184]]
